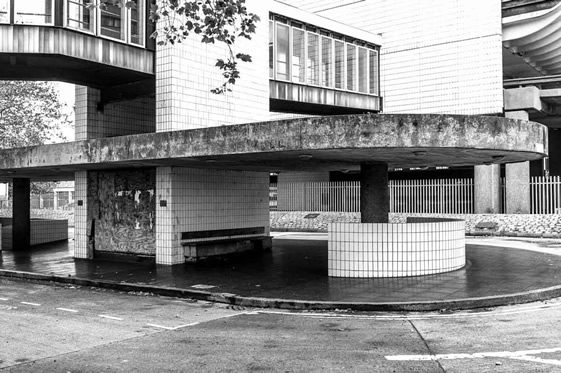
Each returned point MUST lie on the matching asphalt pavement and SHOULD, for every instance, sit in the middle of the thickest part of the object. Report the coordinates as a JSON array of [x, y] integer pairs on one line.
[[51, 328]]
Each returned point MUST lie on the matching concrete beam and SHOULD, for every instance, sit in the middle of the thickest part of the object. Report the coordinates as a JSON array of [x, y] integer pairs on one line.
[[320, 143], [524, 98]]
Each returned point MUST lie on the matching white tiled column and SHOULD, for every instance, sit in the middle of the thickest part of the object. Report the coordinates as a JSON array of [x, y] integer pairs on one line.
[[168, 247], [81, 247], [192, 200]]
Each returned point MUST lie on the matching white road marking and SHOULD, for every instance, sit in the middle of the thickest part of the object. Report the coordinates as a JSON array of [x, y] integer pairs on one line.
[[67, 309], [31, 304], [202, 286], [200, 322], [526, 355], [4, 299], [187, 325], [111, 317], [161, 326]]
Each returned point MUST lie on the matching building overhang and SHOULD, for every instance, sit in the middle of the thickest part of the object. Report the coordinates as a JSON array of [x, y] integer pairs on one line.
[[532, 43], [318, 143], [30, 52]]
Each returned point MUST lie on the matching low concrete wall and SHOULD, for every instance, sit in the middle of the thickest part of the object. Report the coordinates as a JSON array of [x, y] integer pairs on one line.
[[522, 225], [44, 214], [396, 250], [41, 231]]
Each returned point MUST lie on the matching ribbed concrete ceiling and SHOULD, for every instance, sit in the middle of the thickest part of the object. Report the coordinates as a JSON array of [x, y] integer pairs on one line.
[[535, 39]]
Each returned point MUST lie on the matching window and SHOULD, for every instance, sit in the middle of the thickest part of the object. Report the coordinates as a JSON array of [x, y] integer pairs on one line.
[[271, 49], [136, 22], [37, 12], [313, 59], [373, 73], [79, 16], [282, 51], [362, 70], [112, 19], [298, 55], [326, 62], [351, 67], [304, 54], [339, 64], [4, 11]]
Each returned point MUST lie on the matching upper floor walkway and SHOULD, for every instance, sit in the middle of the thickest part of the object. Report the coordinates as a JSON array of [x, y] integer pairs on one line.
[[94, 43]]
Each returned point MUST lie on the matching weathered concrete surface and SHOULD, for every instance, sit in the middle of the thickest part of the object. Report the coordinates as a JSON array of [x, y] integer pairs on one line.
[[374, 193], [487, 189], [517, 188], [321, 143]]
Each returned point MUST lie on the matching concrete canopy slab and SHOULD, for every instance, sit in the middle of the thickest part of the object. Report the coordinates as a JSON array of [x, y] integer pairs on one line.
[[319, 143]]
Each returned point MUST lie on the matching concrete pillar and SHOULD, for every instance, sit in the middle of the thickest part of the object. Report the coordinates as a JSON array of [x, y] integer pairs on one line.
[[374, 193], [487, 189], [208, 203], [83, 249], [517, 178], [168, 235], [21, 222]]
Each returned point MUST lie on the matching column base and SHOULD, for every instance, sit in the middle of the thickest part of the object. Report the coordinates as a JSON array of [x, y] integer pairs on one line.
[[220, 249]]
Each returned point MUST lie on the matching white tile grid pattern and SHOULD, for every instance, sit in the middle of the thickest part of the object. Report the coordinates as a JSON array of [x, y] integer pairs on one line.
[[437, 56], [42, 231], [395, 250], [168, 248], [116, 119], [80, 216], [201, 199], [184, 79]]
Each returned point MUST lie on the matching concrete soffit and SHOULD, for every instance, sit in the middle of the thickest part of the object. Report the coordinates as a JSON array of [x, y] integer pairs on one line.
[[536, 38]]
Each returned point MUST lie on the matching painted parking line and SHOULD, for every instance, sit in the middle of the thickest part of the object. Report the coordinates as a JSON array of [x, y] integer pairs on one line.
[[67, 309], [31, 304], [111, 317], [4, 299], [525, 355]]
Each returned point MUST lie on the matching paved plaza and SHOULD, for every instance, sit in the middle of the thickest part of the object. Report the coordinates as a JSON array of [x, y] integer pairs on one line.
[[497, 272]]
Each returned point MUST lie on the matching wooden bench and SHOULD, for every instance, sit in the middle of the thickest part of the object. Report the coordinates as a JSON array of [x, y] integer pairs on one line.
[[219, 242]]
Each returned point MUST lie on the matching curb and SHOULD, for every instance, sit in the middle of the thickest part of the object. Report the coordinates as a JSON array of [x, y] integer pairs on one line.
[[290, 304]]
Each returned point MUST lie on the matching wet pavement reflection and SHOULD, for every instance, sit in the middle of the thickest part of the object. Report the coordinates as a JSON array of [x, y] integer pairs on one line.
[[296, 269]]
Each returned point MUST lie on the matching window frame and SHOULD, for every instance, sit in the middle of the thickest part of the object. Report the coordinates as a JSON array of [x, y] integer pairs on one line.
[[67, 20], [335, 41], [8, 13], [12, 12], [288, 53]]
